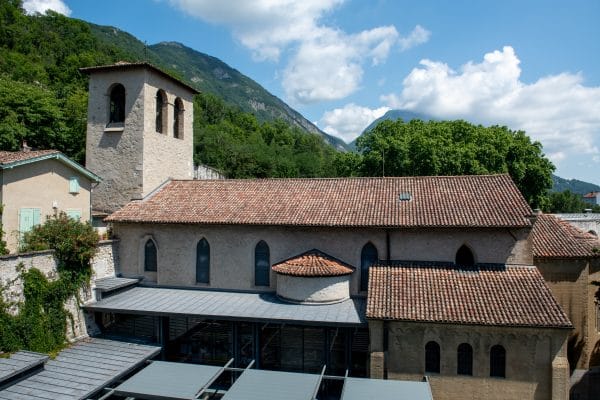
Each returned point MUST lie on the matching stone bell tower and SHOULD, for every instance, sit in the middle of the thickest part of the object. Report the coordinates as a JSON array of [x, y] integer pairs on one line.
[[139, 132]]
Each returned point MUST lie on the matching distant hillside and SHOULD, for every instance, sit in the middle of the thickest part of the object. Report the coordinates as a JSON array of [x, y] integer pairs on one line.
[[574, 185], [211, 75]]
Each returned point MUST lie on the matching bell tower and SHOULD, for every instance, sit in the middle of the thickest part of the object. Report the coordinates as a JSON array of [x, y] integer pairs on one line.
[[139, 131]]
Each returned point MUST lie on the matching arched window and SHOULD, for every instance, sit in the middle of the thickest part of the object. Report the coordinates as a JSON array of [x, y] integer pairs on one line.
[[202, 261], [161, 111], [368, 257], [178, 119], [262, 264], [117, 104], [464, 365], [150, 256], [464, 257], [432, 357], [498, 361]]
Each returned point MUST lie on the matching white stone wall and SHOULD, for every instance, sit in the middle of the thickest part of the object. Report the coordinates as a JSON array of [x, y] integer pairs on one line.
[[330, 289], [103, 265], [232, 249], [206, 172]]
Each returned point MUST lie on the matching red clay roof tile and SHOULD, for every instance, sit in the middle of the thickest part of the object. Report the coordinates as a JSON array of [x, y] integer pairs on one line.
[[313, 263], [555, 238], [7, 157], [485, 295], [436, 201]]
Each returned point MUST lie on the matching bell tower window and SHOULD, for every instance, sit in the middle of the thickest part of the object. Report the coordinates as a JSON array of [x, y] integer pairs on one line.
[[117, 104]]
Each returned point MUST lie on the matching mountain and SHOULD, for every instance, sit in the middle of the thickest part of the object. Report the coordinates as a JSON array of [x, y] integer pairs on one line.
[[211, 75], [393, 115], [574, 185]]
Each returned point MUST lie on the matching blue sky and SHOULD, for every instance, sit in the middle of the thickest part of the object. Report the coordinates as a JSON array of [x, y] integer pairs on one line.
[[531, 65]]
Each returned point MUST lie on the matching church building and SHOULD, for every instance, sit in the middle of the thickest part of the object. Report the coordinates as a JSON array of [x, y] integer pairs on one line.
[[392, 278]]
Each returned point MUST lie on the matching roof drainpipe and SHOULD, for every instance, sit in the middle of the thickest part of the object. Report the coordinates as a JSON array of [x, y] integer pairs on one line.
[[387, 247]]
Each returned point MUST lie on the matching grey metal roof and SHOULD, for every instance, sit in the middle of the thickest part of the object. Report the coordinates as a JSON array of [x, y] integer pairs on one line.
[[363, 388], [18, 363], [168, 380], [256, 384], [230, 306], [81, 370], [113, 283]]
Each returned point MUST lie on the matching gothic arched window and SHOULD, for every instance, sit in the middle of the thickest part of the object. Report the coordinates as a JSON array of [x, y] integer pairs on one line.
[[117, 104], [178, 119], [161, 111], [150, 256], [262, 264], [432, 357], [498, 361], [464, 364], [368, 257], [464, 257], [202, 261]]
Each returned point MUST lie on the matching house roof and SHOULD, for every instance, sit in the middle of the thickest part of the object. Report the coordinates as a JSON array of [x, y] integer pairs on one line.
[[122, 65], [590, 194], [313, 263], [496, 295], [427, 201], [11, 159], [555, 238]]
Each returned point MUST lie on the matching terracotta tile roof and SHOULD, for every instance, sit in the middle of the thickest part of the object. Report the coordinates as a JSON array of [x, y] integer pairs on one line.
[[484, 295], [435, 201], [313, 263], [7, 157], [553, 237]]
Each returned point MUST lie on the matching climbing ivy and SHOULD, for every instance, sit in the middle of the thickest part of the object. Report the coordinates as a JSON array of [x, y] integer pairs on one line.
[[42, 320]]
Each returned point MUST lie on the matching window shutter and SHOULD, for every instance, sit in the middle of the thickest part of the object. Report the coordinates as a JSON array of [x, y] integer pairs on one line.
[[75, 214], [73, 185]]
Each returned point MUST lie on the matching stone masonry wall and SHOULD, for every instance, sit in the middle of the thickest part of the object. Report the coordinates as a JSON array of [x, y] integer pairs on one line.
[[103, 265]]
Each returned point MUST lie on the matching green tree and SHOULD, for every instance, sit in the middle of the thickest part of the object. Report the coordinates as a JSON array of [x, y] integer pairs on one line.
[[568, 202], [398, 148]]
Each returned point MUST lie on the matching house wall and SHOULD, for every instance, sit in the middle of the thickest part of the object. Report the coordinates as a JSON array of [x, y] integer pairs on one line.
[[39, 185], [536, 365], [232, 249], [135, 159]]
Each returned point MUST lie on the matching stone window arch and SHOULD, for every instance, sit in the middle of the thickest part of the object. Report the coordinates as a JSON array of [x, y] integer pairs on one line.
[[161, 111], [262, 264], [498, 361], [464, 359], [368, 257], [150, 256], [116, 106], [432, 357], [178, 118], [464, 256], [203, 261]]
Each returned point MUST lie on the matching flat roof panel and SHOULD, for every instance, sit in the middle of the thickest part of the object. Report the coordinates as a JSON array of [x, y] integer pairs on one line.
[[171, 380], [380, 389], [18, 363], [72, 375], [256, 384], [230, 306]]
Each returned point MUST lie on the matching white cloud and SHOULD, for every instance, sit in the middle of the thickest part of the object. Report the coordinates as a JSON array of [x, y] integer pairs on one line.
[[418, 36], [557, 110], [349, 121], [41, 6], [325, 63]]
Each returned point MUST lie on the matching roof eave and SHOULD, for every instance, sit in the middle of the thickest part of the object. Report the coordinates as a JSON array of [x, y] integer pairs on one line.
[[57, 156]]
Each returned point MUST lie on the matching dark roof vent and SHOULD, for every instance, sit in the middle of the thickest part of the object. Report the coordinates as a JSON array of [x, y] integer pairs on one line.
[[405, 196]]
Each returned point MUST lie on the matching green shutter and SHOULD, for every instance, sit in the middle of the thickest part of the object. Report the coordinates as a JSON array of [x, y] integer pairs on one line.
[[28, 218], [73, 185], [75, 214]]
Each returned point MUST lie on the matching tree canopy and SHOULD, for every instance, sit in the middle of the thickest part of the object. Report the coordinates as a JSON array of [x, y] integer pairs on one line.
[[398, 148]]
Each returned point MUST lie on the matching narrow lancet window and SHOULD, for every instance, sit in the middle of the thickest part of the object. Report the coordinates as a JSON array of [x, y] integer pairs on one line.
[[202, 261], [368, 257], [262, 264], [117, 104]]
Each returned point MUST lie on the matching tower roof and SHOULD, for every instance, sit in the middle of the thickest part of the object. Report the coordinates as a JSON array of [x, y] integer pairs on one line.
[[123, 65]]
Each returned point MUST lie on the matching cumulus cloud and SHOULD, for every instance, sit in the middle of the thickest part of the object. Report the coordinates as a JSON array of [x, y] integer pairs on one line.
[[41, 6], [324, 63], [558, 110], [349, 121], [418, 36]]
